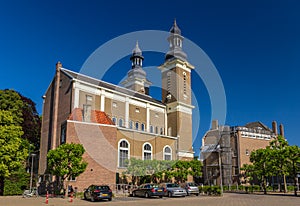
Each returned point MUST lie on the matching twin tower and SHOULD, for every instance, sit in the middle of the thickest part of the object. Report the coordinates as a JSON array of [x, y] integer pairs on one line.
[[176, 89]]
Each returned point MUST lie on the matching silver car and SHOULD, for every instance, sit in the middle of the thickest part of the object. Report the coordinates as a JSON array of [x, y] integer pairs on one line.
[[173, 190], [191, 188]]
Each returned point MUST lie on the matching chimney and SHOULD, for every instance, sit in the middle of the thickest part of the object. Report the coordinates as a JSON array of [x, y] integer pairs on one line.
[[281, 129], [274, 127], [214, 124]]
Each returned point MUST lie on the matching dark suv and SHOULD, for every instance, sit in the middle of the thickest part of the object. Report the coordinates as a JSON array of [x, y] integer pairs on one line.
[[98, 192]]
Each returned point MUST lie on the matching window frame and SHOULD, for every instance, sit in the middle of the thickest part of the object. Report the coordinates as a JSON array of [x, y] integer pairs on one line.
[[147, 151], [125, 149]]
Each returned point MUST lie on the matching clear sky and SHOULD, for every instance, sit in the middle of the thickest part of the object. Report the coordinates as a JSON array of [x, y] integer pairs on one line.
[[254, 45]]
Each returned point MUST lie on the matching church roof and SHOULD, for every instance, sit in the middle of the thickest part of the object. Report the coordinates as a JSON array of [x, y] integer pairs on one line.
[[109, 86]]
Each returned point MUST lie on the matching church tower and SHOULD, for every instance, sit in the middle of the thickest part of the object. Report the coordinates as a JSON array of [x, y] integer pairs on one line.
[[136, 77], [176, 93]]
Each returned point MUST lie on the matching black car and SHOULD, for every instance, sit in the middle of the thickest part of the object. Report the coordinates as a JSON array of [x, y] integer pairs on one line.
[[148, 190], [98, 192]]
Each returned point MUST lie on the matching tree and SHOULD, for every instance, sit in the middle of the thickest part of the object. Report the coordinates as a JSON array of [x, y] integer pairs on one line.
[[294, 164], [262, 165], [66, 161], [279, 158], [24, 114], [31, 124], [13, 149]]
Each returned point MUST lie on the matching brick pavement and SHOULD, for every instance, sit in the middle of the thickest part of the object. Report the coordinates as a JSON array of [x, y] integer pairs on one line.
[[229, 199]]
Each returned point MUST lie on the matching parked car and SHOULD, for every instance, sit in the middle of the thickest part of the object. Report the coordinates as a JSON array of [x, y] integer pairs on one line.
[[148, 190], [98, 192], [172, 189], [190, 188]]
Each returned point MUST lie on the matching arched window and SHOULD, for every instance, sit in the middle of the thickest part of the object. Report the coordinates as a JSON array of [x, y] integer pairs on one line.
[[114, 119], [156, 130], [167, 153], [143, 127], [120, 122], [130, 124], [151, 129], [124, 149], [161, 131], [137, 126], [184, 83], [147, 151]]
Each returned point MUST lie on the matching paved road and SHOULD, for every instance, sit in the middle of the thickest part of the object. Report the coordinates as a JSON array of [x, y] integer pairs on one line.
[[226, 200]]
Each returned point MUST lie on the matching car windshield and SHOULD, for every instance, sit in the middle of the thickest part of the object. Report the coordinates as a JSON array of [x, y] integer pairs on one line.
[[103, 188], [172, 185]]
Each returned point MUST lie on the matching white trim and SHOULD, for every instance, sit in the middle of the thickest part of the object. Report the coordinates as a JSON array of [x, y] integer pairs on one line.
[[186, 154], [102, 101], [91, 123], [176, 63], [76, 97], [180, 107], [147, 117], [167, 153], [147, 151], [128, 149], [137, 103], [127, 112], [149, 133]]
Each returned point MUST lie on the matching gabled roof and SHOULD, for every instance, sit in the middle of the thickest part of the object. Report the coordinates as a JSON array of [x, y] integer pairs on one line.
[[100, 83], [258, 124], [96, 116]]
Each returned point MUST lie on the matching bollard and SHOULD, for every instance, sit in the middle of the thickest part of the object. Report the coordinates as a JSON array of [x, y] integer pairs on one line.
[[47, 195], [71, 197]]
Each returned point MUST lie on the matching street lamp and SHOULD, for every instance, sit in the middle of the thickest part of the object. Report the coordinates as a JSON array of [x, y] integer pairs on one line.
[[220, 168], [31, 175]]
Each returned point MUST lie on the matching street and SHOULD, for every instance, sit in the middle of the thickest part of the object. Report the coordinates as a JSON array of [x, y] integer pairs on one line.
[[229, 199]]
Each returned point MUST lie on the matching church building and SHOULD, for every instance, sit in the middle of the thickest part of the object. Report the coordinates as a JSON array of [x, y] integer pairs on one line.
[[115, 123]]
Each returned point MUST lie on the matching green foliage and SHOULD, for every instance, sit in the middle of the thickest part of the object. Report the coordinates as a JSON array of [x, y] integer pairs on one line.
[[66, 161], [17, 182], [13, 149], [210, 190], [162, 170], [12, 102], [277, 159]]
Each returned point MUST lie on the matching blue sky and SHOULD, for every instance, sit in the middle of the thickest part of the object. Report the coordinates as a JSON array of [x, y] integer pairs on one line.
[[254, 45]]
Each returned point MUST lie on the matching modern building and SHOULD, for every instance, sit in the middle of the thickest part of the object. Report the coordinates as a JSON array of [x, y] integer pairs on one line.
[[115, 123], [226, 149]]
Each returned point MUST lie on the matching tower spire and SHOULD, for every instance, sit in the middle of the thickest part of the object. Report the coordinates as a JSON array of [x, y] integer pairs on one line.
[[175, 40], [136, 76]]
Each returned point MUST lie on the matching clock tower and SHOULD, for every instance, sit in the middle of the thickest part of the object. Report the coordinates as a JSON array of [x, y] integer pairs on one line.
[[176, 93]]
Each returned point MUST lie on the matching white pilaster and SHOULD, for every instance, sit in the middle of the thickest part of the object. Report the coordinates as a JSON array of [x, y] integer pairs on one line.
[[148, 117], [126, 112], [102, 101]]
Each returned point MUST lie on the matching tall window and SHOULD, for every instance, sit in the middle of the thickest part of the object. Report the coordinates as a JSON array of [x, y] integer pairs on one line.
[[143, 127], [130, 124], [137, 126], [63, 134], [184, 83], [147, 151], [123, 153], [120, 122], [151, 129], [156, 130], [167, 153], [114, 119]]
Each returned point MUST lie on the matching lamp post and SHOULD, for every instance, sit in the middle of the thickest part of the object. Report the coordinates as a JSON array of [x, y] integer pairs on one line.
[[220, 168], [31, 173]]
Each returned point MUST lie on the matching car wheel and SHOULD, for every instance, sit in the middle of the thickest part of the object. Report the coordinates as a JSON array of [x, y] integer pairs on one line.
[[133, 194], [109, 199], [197, 194], [160, 196], [92, 199], [147, 195], [84, 196], [169, 194]]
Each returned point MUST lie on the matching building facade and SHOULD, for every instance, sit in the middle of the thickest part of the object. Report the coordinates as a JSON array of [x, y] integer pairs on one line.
[[116, 123], [226, 149]]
